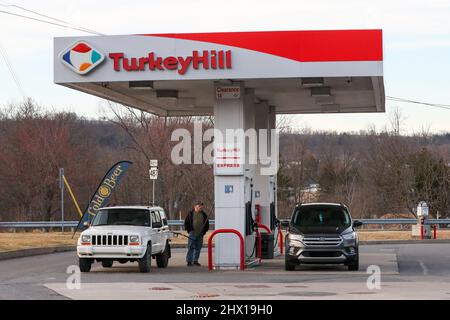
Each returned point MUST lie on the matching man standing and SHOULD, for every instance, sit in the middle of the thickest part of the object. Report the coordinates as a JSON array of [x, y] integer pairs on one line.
[[196, 224]]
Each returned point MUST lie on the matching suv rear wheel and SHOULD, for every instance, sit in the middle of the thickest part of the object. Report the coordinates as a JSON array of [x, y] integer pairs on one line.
[[162, 259], [145, 262], [85, 264]]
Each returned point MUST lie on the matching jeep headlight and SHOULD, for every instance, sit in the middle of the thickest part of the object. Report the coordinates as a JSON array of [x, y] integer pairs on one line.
[[86, 238], [295, 240], [134, 238]]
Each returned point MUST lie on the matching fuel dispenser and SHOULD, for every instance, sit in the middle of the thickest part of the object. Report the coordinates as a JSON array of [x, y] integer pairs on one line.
[[264, 241], [249, 221]]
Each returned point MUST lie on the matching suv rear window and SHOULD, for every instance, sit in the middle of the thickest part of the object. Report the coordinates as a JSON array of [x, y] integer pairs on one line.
[[321, 219]]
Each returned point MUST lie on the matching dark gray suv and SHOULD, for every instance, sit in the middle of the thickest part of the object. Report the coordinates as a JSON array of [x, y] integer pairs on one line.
[[322, 233]]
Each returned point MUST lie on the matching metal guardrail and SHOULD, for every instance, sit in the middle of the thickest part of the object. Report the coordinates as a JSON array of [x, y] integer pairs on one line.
[[397, 221], [67, 224], [402, 221], [73, 224]]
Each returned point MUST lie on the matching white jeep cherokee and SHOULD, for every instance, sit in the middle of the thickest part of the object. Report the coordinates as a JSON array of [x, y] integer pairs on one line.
[[123, 234]]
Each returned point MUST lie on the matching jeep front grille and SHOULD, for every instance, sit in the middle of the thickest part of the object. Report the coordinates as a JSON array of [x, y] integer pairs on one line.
[[322, 241], [109, 240]]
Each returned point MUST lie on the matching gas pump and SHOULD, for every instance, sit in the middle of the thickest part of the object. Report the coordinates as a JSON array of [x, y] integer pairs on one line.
[[249, 221], [273, 197], [250, 247]]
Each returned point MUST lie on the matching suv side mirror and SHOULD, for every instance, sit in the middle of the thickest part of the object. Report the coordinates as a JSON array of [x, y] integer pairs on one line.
[[157, 224], [357, 223], [284, 223], [86, 224]]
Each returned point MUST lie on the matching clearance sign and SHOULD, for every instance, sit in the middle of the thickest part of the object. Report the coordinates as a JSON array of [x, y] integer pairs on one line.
[[232, 55]]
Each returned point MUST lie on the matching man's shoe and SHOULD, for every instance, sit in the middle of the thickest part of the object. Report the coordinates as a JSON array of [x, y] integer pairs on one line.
[[189, 264], [197, 264]]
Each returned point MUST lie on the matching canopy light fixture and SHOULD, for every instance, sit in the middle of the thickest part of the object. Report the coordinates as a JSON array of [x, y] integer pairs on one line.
[[167, 94], [324, 100], [331, 108], [321, 92], [140, 85], [312, 82]]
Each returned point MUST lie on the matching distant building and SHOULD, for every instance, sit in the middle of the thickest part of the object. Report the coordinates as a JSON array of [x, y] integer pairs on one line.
[[309, 194]]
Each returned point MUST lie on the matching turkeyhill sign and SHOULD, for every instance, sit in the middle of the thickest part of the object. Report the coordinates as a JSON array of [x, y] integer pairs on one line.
[[207, 59]]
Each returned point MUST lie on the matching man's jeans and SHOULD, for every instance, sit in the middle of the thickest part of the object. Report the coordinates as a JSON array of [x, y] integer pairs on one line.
[[195, 244]]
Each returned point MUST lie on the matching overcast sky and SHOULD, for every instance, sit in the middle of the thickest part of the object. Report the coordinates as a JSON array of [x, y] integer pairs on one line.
[[416, 46]]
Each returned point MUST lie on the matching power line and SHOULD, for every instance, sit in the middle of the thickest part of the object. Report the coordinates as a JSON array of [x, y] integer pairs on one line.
[[434, 105], [49, 17], [49, 22], [69, 25], [10, 67], [63, 24]]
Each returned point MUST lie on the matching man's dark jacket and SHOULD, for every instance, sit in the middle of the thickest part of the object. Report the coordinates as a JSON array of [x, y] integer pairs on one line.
[[188, 222]]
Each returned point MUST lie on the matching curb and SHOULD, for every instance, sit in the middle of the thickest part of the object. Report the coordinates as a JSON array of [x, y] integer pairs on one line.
[[41, 251], [184, 246], [428, 241], [34, 252]]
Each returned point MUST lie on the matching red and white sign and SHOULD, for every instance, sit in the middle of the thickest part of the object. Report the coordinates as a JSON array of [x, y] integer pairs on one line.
[[232, 55], [228, 159]]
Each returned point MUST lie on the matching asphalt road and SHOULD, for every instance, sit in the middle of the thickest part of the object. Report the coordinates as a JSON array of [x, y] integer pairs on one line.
[[405, 269]]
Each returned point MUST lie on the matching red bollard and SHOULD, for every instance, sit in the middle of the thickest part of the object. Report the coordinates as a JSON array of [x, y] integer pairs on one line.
[[434, 232], [242, 249], [421, 232], [259, 241], [280, 234]]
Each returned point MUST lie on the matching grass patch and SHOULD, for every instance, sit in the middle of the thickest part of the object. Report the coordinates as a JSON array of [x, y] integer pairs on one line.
[[27, 240]]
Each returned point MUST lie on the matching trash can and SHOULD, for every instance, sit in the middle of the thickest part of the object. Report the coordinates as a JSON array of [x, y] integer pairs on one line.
[[267, 241]]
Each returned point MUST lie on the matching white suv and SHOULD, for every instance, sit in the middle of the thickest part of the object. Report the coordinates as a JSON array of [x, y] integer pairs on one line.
[[123, 234]]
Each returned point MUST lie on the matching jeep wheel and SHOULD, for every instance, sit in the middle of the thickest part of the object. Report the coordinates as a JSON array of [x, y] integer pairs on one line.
[[85, 264], [107, 263], [289, 265], [145, 262], [354, 264], [162, 259]]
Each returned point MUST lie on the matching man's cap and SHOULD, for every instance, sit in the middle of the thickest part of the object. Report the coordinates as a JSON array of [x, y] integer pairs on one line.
[[199, 203]]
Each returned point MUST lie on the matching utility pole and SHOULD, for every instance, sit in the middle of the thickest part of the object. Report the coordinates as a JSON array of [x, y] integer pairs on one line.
[[153, 191], [61, 186]]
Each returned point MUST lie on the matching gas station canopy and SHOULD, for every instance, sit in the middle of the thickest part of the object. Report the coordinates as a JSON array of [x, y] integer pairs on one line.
[[178, 74], [242, 78]]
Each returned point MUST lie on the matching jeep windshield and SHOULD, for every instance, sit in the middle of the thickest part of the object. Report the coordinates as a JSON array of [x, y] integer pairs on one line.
[[320, 219], [122, 217]]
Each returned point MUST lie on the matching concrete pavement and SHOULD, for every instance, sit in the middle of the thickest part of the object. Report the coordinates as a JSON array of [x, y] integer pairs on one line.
[[408, 271]]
